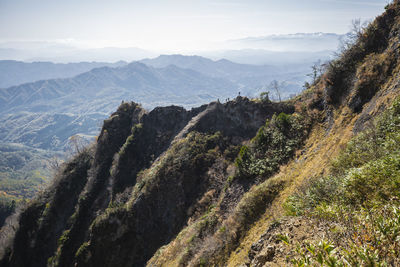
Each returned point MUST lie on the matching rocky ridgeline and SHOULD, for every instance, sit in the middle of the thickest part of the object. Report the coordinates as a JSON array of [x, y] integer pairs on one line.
[[112, 217]]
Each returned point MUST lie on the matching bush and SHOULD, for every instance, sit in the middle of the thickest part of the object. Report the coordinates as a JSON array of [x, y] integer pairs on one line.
[[274, 144], [243, 161], [376, 181], [264, 97]]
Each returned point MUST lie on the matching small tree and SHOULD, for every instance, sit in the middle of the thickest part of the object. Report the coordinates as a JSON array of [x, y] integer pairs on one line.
[[243, 161], [76, 143], [316, 71], [54, 163], [275, 85], [264, 96], [306, 85], [356, 31]]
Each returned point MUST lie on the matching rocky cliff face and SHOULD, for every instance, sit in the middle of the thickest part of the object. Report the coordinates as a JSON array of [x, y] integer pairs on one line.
[[135, 189]]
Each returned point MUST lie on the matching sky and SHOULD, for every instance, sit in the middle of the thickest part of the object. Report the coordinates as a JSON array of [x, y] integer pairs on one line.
[[163, 24]]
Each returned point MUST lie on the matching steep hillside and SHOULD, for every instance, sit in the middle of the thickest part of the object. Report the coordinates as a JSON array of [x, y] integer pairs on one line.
[[311, 181], [343, 186]]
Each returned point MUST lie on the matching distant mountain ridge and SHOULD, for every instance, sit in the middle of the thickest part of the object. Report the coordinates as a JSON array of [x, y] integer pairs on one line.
[[220, 68], [249, 77], [17, 72]]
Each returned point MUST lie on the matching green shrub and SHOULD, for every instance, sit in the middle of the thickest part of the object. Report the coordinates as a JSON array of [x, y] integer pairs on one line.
[[274, 144], [264, 96], [243, 160], [375, 181], [254, 203]]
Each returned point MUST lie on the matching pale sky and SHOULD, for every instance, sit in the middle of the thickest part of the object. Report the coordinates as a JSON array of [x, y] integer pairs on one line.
[[192, 24]]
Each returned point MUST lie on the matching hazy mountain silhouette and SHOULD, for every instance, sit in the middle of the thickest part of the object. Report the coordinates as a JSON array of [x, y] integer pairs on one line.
[[16, 72]]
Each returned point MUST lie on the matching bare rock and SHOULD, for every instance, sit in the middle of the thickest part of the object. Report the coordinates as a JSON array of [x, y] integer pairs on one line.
[[265, 256]]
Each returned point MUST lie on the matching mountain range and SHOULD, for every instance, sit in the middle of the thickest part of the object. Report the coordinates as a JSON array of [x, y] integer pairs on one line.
[[133, 81], [46, 113]]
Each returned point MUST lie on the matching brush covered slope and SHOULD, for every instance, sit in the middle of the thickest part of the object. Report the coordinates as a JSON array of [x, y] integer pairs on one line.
[[312, 181]]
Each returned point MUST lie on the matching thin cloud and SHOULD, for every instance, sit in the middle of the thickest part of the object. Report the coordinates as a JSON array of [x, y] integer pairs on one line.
[[356, 2], [228, 4]]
